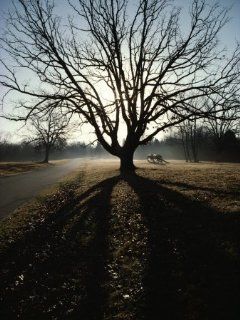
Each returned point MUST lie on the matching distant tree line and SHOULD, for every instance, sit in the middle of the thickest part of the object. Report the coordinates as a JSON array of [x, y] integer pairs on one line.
[[25, 151], [193, 140], [191, 143], [195, 145]]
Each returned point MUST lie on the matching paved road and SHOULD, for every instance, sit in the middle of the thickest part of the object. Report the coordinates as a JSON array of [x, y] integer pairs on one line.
[[15, 190]]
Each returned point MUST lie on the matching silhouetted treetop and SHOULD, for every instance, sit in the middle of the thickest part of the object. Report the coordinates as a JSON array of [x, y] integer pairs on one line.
[[121, 66]]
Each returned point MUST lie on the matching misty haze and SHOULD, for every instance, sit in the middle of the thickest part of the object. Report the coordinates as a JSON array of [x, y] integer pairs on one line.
[[119, 159]]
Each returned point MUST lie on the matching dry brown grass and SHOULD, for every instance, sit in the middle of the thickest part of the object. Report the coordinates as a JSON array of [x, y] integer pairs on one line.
[[103, 246], [215, 184], [13, 168]]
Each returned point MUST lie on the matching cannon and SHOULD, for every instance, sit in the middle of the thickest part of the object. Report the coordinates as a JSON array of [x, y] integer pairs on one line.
[[156, 159]]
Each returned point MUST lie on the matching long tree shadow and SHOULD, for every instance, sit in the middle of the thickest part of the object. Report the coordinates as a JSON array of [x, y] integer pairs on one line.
[[212, 190], [58, 270], [193, 268]]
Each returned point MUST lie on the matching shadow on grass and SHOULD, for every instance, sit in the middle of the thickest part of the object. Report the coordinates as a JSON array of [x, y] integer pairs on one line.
[[193, 266], [57, 270], [181, 185], [192, 269]]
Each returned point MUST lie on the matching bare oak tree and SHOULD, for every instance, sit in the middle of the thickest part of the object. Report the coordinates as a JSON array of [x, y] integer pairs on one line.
[[48, 131], [122, 68]]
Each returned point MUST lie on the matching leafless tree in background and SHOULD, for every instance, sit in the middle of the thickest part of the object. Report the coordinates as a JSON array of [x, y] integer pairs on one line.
[[226, 120], [121, 67], [183, 133], [190, 135], [48, 131]]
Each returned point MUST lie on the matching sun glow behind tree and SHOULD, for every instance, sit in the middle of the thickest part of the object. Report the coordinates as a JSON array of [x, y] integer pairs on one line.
[[121, 69]]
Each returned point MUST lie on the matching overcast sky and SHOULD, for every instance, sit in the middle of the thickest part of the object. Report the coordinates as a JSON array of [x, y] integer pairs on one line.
[[228, 36]]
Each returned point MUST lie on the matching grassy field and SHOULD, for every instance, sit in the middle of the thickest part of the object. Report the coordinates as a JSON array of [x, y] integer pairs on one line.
[[12, 168], [163, 243]]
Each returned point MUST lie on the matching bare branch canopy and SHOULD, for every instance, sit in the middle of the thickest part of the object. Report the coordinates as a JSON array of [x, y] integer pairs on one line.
[[120, 66]]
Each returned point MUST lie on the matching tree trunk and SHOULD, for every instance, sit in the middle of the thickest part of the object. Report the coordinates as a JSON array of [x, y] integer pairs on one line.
[[126, 162], [47, 150]]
